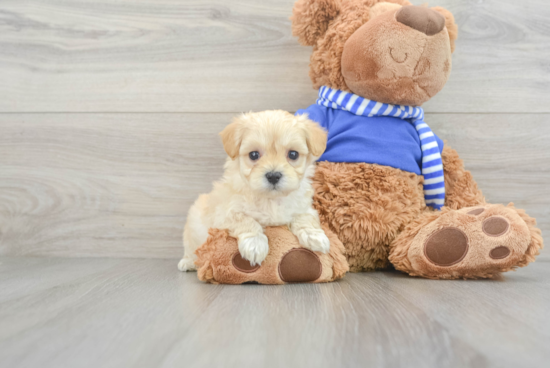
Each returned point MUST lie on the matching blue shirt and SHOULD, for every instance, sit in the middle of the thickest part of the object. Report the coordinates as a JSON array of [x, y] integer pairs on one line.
[[383, 140]]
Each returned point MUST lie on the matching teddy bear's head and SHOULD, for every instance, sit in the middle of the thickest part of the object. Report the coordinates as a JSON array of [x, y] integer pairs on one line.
[[386, 51]]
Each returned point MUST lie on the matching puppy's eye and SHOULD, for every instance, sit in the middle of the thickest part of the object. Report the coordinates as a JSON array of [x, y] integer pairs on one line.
[[293, 155], [254, 155]]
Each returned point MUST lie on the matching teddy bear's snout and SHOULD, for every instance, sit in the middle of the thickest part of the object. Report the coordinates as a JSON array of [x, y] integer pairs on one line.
[[422, 19]]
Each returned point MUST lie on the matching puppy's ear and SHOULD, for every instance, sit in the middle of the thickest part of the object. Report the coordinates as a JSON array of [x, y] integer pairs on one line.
[[452, 28], [232, 137], [316, 137], [310, 19]]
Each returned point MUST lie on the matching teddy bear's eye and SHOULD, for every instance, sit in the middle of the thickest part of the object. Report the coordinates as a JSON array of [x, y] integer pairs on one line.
[[254, 155], [293, 155]]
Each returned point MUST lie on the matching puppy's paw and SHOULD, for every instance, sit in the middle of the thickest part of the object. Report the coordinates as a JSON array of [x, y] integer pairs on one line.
[[253, 248], [314, 239], [186, 264]]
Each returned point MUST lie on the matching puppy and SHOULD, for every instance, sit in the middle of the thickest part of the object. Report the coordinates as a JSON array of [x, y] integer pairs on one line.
[[266, 183]]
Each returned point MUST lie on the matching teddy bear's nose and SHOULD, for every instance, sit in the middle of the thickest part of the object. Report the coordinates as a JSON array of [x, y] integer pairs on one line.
[[422, 19]]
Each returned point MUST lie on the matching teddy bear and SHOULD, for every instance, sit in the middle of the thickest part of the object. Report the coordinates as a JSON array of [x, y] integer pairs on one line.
[[390, 189]]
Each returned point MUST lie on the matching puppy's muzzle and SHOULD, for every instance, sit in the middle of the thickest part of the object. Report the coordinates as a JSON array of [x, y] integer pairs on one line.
[[273, 177]]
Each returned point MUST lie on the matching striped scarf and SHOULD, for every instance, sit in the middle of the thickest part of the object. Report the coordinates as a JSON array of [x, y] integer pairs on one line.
[[432, 164]]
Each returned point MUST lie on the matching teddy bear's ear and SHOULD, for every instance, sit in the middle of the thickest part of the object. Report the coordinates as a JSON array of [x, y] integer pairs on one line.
[[310, 19], [450, 24]]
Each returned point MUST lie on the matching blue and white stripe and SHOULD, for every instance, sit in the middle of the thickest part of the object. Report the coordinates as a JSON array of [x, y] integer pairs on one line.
[[432, 164]]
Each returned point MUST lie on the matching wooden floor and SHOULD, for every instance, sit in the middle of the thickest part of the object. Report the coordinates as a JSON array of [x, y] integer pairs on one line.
[[144, 313]]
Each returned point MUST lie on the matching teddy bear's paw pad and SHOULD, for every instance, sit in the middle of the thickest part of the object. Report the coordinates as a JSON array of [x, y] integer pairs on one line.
[[495, 226], [300, 265], [476, 211], [242, 264], [446, 247], [499, 252]]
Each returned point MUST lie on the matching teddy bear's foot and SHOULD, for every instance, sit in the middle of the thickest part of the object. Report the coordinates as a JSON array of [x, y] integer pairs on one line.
[[297, 265], [219, 260], [475, 242]]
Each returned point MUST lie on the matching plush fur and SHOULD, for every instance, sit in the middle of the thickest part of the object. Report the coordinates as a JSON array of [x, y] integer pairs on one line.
[[367, 206], [389, 52]]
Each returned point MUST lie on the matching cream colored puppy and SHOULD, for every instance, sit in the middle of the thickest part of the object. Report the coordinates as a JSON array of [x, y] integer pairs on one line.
[[266, 183]]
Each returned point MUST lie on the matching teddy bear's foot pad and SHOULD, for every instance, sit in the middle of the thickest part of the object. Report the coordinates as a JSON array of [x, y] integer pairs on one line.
[[446, 247], [243, 265], [300, 265], [470, 243]]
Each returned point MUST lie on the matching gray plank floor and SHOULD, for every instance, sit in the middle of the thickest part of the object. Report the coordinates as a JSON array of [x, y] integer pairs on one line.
[[144, 313]]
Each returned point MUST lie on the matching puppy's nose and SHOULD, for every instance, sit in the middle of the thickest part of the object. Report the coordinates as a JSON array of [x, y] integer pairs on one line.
[[273, 177], [422, 19]]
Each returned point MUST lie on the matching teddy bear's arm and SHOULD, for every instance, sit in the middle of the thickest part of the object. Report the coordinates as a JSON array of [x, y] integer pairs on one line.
[[460, 187]]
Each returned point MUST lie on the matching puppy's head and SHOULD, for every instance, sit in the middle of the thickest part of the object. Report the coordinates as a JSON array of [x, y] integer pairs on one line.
[[273, 149]]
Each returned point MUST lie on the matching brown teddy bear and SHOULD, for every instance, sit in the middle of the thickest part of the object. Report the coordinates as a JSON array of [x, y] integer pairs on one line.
[[388, 187]]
